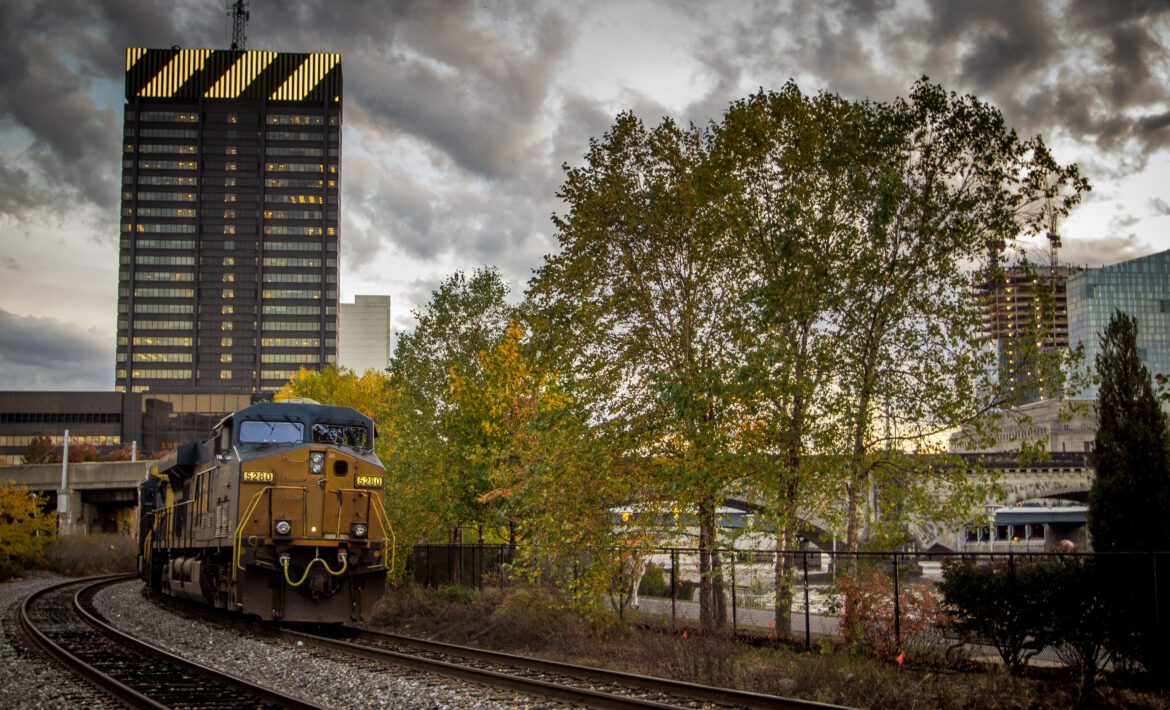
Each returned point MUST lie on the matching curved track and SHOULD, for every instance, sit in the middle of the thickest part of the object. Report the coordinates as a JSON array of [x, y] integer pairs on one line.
[[59, 621]]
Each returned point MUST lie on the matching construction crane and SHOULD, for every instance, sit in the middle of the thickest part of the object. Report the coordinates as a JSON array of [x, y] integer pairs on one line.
[[238, 11]]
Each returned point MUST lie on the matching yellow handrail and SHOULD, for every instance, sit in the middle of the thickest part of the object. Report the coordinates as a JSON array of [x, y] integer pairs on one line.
[[237, 537]]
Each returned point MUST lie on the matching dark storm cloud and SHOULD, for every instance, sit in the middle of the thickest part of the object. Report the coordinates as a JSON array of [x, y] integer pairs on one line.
[[468, 85], [992, 42], [51, 54], [1084, 68], [45, 353]]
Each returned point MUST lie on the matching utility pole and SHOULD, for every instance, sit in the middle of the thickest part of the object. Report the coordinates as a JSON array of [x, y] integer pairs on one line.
[[239, 14], [63, 493]]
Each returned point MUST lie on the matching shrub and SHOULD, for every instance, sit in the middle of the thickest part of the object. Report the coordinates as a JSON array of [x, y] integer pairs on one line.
[[654, 583], [919, 613], [1084, 623], [1009, 605], [25, 530], [84, 555], [456, 594]]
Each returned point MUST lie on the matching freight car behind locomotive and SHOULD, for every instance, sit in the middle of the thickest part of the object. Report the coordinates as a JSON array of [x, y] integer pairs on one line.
[[279, 514]]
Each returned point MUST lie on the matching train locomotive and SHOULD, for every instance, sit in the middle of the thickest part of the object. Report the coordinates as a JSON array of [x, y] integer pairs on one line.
[[279, 515]]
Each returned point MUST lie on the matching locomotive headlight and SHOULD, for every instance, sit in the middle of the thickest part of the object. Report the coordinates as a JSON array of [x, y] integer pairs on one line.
[[317, 462], [283, 527], [358, 530]]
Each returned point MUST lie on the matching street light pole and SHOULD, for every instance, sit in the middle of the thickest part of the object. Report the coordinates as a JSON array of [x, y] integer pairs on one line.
[[63, 493]]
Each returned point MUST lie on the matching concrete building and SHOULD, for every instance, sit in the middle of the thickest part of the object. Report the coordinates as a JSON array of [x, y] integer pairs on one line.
[[1139, 287], [155, 421], [364, 334], [230, 196], [1056, 426]]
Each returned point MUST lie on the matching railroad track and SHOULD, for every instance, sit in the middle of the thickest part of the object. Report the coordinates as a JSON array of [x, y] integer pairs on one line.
[[59, 620], [586, 685], [562, 682]]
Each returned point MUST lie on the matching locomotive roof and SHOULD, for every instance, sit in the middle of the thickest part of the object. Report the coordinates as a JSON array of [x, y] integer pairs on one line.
[[306, 413]]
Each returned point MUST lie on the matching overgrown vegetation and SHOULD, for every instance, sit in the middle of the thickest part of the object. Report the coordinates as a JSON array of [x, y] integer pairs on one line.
[[25, 530], [85, 555], [536, 620], [1070, 604]]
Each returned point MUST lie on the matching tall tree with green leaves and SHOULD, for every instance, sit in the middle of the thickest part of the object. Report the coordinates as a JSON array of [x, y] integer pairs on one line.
[[552, 477], [1131, 452], [465, 316], [796, 171], [1130, 496], [641, 295], [951, 185]]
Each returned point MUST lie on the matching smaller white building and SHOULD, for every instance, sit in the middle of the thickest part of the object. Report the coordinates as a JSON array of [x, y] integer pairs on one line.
[[1057, 426], [363, 339]]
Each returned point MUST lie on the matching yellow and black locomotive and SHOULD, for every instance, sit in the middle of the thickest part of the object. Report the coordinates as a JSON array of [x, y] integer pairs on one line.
[[279, 515]]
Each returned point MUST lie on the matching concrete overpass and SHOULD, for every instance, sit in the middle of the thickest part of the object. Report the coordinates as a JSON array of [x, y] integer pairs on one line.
[[103, 496]]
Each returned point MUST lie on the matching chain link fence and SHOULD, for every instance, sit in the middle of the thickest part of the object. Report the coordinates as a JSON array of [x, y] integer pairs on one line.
[[1009, 604]]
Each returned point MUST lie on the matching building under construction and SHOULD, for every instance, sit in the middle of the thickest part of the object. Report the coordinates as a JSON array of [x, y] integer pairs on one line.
[[1026, 314]]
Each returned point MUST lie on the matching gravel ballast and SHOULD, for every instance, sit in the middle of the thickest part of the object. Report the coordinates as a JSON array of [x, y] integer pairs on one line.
[[29, 679], [319, 676]]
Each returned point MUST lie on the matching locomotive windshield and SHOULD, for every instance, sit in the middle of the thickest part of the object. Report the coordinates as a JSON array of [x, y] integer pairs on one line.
[[262, 432], [353, 435]]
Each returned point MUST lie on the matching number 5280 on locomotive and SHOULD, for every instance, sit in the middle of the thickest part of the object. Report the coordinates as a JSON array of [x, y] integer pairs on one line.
[[279, 514]]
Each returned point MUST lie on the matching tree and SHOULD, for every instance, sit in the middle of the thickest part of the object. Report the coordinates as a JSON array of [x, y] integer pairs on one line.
[[465, 316], [864, 223], [368, 393], [25, 530], [642, 295], [41, 450], [796, 167], [551, 478], [1130, 496], [1131, 452], [952, 184]]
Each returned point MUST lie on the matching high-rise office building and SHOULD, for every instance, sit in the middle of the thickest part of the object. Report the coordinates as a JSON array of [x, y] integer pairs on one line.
[[1139, 287], [364, 338], [1026, 311], [229, 232]]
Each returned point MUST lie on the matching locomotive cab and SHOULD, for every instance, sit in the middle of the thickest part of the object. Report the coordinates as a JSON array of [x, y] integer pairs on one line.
[[280, 515]]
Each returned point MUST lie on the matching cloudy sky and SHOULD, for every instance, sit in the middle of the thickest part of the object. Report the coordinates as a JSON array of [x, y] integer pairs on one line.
[[459, 115]]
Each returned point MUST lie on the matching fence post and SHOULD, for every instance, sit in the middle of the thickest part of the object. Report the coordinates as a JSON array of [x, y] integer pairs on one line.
[[897, 609], [734, 615], [427, 548], [1160, 673], [807, 616], [477, 563], [673, 585]]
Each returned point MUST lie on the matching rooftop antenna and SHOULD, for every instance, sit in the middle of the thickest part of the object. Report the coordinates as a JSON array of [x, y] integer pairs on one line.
[[238, 11]]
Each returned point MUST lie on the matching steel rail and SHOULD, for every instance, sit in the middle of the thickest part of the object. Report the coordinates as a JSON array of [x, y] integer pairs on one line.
[[168, 662], [705, 693], [685, 692], [531, 686]]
